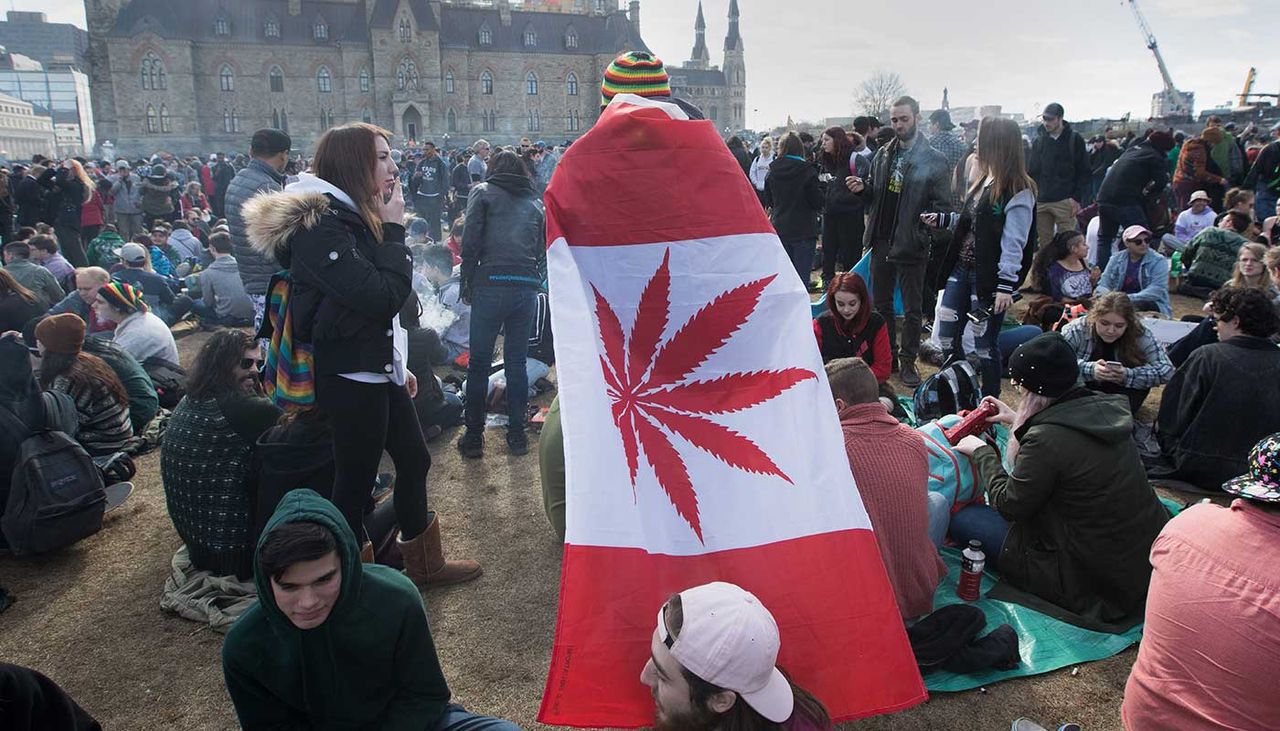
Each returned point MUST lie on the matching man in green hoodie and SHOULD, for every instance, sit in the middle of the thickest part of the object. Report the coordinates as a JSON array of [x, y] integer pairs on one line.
[[334, 644]]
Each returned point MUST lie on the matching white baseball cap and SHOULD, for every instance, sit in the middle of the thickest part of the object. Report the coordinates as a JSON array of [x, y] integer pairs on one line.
[[730, 640]]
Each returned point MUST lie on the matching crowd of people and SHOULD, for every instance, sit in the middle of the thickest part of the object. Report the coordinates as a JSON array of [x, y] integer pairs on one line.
[[337, 285]]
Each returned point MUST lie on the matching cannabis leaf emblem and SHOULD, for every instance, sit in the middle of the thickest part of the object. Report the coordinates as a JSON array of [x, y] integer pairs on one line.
[[648, 387]]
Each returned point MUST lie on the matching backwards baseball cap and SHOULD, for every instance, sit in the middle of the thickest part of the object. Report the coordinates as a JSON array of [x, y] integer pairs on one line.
[[1135, 231], [1200, 195], [730, 640], [1263, 481], [635, 72], [132, 253], [1055, 110]]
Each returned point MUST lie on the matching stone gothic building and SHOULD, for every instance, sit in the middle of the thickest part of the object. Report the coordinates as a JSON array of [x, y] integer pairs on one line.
[[201, 75], [721, 93]]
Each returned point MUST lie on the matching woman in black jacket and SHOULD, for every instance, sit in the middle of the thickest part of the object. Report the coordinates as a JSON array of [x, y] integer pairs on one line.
[[338, 232], [793, 197], [990, 253], [69, 189], [503, 267], [843, 212]]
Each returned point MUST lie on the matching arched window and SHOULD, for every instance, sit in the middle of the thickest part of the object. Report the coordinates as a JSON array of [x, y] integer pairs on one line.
[[271, 28], [153, 75], [324, 80], [531, 84], [486, 82], [165, 126], [364, 81], [530, 37], [222, 26], [715, 112], [275, 119], [146, 73], [321, 30], [575, 122], [284, 121], [448, 82], [535, 120], [406, 31], [326, 119], [366, 116], [571, 83], [277, 78], [407, 75], [226, 78], [235, 120], [739, 74], [226, 120], [451, 122], [486, 36], [153, 120], [571, 38]]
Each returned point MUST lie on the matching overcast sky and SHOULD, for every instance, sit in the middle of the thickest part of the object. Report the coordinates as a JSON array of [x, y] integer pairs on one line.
[[805, 58]]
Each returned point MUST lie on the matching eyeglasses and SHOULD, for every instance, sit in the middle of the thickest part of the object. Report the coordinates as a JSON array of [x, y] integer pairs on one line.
[[254, 363]]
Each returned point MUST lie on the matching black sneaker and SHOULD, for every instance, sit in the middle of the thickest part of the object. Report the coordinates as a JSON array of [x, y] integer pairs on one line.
[[517, 443], [471, 445], [907, 372]]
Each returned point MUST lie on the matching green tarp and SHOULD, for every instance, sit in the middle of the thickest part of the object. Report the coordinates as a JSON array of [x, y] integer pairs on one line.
[[1045, 643]]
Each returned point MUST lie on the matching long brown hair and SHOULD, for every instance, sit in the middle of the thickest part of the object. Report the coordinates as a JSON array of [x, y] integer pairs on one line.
[[741, 717], [1118, 303], [9, 285], [1001, 157], [346, 157], [1259, 252], [85, 372]]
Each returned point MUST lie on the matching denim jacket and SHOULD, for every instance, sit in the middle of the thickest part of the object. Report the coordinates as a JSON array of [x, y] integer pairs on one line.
[[1153, 280]]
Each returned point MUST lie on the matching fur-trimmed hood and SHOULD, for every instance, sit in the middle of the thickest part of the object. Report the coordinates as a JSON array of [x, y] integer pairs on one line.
[[272, 219]]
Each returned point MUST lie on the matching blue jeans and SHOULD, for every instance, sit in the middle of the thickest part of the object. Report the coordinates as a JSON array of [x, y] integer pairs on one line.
[[982, 523], [801, 255], [959, 298], [1011, 338], [939, 518], [208, 315], [457, 718], [509, 310], [1264, 203]]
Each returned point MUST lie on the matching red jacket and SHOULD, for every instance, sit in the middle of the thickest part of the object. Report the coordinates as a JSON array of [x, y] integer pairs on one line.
[[91, 212], [206, 180]]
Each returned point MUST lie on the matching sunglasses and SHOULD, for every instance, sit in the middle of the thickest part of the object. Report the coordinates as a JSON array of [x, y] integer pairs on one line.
[[1141, 240], [254, 363]]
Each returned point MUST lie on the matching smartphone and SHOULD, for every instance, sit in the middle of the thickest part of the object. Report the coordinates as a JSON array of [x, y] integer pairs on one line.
[[978, 317], [1114, 364]]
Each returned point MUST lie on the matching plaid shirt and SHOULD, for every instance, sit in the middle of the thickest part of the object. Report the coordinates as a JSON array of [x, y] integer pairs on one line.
[[1158, 368], [952, 146]]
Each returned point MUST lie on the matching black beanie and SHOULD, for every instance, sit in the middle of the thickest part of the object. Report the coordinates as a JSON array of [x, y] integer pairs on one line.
[[1045, 365]]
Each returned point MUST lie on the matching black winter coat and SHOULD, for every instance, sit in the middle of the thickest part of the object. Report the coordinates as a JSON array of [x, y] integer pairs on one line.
[[65, 197], [29, 197], [504, 243], [1060, 167], [927, 189], [347, 286], [1141, 168], [838, 199], [794, 198]]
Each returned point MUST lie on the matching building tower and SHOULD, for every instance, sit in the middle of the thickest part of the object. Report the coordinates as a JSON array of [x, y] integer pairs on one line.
[[946, 102], [735, 71], [700, 58]]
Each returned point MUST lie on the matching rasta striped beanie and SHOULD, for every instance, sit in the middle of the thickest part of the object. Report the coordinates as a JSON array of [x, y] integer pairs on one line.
[[635, 72], [123, 296]]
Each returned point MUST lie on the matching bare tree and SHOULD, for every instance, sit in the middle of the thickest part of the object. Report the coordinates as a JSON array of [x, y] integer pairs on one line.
[[878, 91]]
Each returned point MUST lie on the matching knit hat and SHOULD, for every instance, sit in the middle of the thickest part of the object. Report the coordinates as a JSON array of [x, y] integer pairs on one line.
[[1161, 141], [1263, 481], [852, 381], [61, 333], [159, 171], [635, 72], [123, 296], [1045, 365]]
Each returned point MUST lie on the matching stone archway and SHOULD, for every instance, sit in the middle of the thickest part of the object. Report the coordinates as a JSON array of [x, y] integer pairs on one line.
[[411, 123]]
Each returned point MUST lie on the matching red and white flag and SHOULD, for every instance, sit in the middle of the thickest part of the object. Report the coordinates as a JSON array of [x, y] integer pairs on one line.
[[701, 441]]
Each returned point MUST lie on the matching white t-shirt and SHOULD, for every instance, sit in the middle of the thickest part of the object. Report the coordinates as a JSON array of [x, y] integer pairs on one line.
[[1189, 223]]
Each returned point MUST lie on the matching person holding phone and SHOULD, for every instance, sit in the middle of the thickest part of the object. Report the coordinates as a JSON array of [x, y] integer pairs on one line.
[[1116, 353], [339, 233], [990, 253]]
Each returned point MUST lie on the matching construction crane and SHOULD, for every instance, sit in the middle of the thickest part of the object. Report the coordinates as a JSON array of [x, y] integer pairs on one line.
[[1243, 99], [1169, 103]]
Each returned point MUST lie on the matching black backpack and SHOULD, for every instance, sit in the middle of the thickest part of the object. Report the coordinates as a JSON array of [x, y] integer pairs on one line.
[[56, 496], [169, 379], [951, 390]]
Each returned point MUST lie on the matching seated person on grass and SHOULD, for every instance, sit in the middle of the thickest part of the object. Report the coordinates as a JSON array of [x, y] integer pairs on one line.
[[44, 250], [1142, 273], [206, 458], [158, 290], [1250, 272], [890, 464], [38, 280], [1208, 260], [1211, 647], [1223, 399], [80, 302], [1116, 354], [1190, 222], [438, 269], [223, 299], [138, 330], [1074, 520], [851, 328], [326, 621], [720, 625], [102, 404]]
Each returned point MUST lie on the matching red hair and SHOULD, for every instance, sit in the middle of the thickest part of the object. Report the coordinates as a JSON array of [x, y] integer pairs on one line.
[[852, 283]]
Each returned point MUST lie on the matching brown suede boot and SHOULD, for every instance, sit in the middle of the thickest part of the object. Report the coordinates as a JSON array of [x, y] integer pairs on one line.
[[425, 564], [366, 552]]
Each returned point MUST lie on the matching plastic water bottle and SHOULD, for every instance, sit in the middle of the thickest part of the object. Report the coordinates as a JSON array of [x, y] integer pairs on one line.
[[1175, 265], [971, 565]]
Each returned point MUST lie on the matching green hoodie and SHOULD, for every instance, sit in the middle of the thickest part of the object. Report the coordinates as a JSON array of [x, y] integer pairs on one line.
[[371, 665], [102, 250]]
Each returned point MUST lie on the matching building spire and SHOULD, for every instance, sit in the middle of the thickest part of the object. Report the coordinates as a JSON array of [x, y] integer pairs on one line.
[[732, 39], [701, 57], [946, 102]]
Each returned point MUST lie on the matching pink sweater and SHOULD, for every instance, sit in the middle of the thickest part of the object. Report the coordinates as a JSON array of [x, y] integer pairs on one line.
[[891, 466]]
